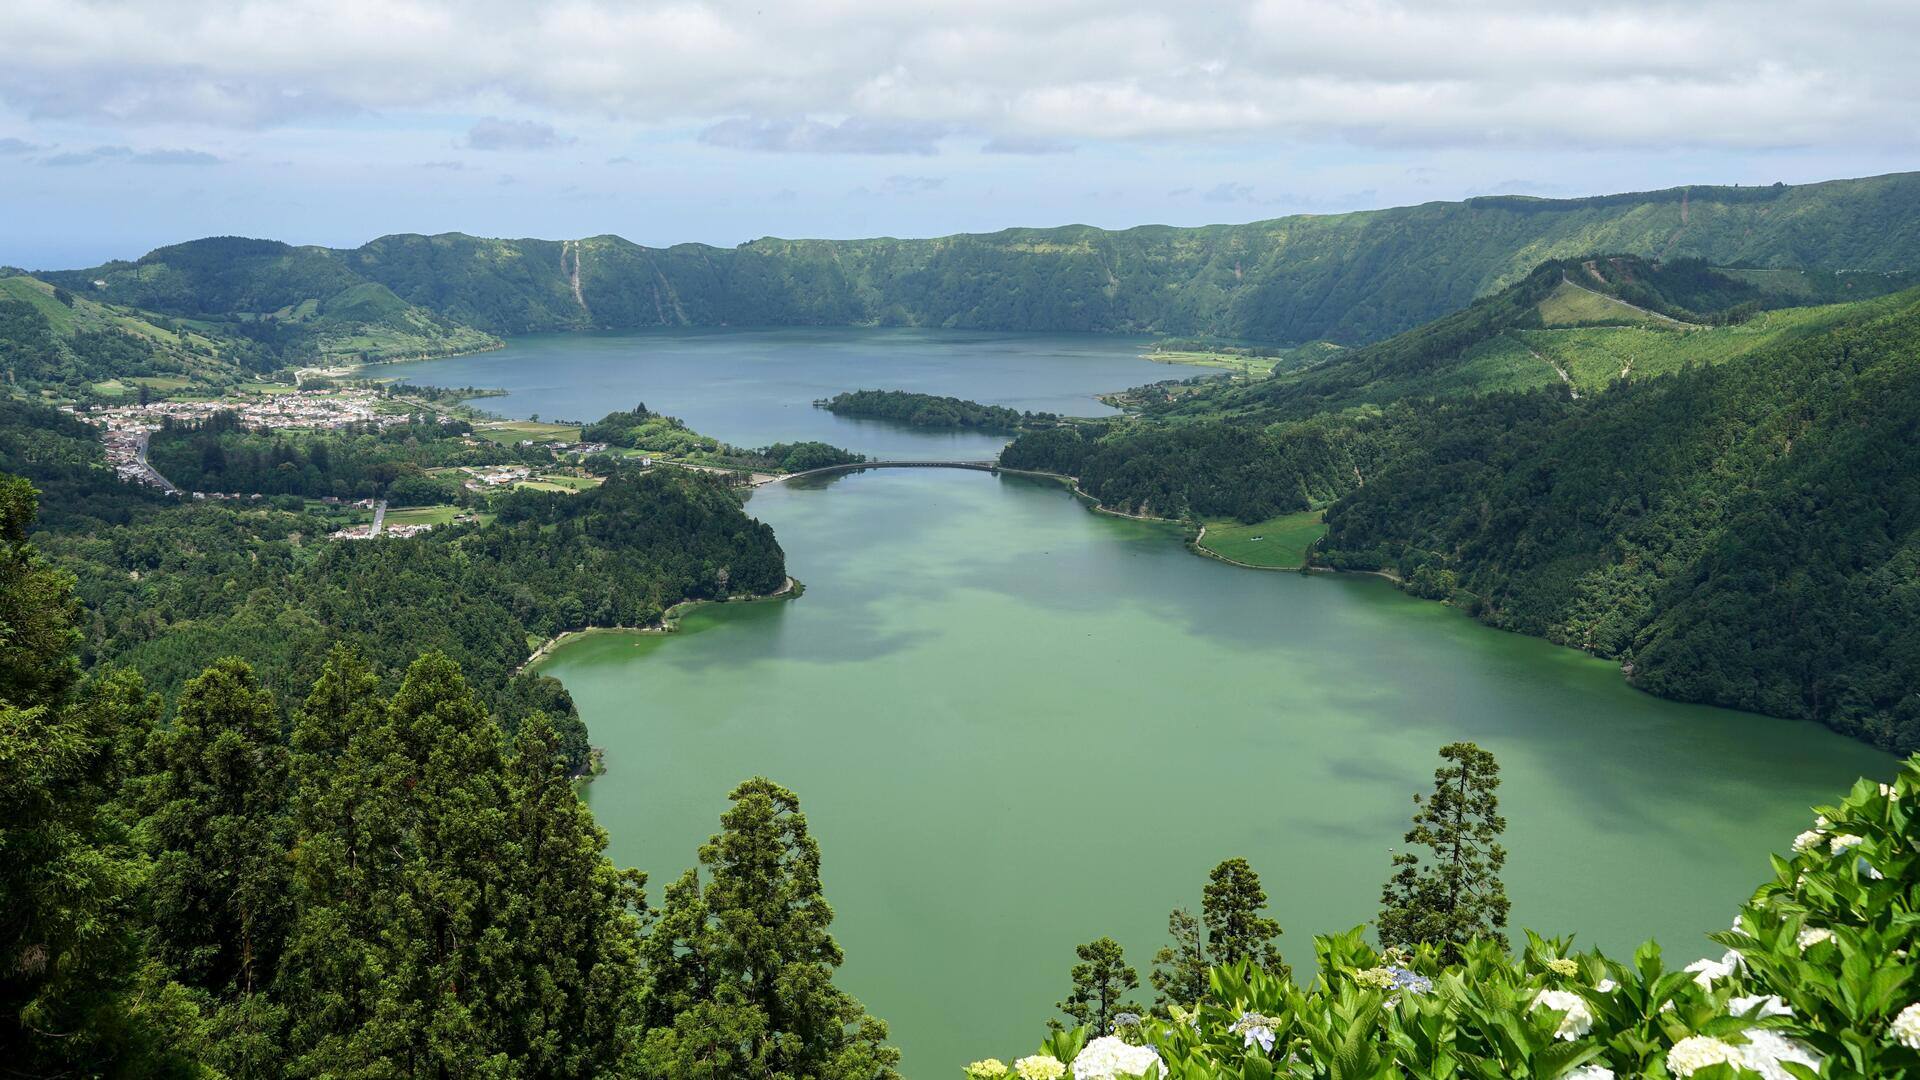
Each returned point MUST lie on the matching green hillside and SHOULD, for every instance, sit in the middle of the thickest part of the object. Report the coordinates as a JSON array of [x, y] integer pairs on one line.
[[1737, 519], [55, 341], [301, 302], [1346, 278]]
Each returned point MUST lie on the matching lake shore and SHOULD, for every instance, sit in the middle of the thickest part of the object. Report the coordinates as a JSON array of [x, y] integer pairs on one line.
[[669, 621]]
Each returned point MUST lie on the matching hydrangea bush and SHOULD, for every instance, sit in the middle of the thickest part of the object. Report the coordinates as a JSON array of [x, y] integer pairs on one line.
[[1819, 976]]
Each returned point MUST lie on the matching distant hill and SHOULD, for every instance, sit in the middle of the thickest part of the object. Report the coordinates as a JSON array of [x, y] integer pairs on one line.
[[52, 338], [1584, 322], [1348, 278], [304, 301]]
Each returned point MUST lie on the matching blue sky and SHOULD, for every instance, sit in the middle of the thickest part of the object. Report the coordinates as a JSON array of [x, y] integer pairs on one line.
[[128, 125]]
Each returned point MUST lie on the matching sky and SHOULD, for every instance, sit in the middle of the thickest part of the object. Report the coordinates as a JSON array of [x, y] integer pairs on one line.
[[127, 125]]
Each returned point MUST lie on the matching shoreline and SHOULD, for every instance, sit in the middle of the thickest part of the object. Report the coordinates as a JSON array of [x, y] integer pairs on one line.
[[669, 622]]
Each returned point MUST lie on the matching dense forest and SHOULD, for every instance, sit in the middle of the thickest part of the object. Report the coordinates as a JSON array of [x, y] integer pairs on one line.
[[396, 883], [932, 411], [1350, 278]]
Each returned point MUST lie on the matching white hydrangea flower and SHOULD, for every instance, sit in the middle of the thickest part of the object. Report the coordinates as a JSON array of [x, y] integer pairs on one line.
[[1606, 986], [1110, 1056], [1039, 1067], [1821, 822], [1575, 1022], [1769, 1005], [1696, 1052], [1807, 841], [1887, 791], [1708, 972], [1906, 1027], [1591, 1072], [1811, 936], [1766, 1051], [1844, 842]]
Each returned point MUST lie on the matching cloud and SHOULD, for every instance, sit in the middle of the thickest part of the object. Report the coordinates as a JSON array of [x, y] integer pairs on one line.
[[493, 133], [87, 157], [1228, 192], [175, 157], [126, 153], [1026, 144], [900, 186], [11, 146], [449, 166], [1523, 187], [854, 135], [1649, 74]]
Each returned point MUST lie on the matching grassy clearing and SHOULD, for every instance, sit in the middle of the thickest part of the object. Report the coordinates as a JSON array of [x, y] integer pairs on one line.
[[1280, 542], [509, 432], [423, 515], [1570, 305], [572, 485]]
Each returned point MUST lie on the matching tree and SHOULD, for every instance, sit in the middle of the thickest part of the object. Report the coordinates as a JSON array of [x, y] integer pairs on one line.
[[1457, 895], [1101, 981], [1236, 931], [743, 974], [1230, 907], [77, 995], [1180, 969], [218, 832]]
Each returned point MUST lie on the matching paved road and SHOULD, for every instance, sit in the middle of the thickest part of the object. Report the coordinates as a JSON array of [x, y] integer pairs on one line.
[[379, 517], [141, 456]]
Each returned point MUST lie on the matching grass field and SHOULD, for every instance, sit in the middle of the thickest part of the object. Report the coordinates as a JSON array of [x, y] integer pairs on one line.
[[1280, 542], [1570, 305], [510, 432], [560, 482], [423, 515]]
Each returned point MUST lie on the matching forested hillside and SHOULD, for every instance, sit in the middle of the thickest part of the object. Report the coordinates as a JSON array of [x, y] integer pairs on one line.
[[1738, 525], [169, 587], [300, 303], [1349, 278]]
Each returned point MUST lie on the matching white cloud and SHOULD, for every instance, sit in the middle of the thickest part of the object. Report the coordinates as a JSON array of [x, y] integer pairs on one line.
[[1638, 73], [493, 133]]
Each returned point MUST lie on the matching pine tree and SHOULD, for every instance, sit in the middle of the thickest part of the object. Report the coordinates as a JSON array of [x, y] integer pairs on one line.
[[1231, 904], [576, 922], [78, 996], [750, 978], [1180, 969], [217, 826], [1457, 896], [1101, 982]]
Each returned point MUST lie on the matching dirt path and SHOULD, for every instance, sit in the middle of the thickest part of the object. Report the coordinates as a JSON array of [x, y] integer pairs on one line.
[[1557, 370]]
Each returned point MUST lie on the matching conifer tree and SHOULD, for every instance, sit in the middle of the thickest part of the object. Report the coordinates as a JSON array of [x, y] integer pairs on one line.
[[77, 995], [574, 918], [1236, 930], [1180, 969], [1457, 895], [1101, 982], [755, 968], [217, 827]]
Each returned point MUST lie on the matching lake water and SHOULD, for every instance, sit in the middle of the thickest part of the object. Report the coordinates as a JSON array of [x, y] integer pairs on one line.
[[1016, 725], [754, 387]]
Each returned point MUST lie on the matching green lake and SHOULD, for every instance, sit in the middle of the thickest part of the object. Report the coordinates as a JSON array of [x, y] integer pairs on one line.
[[1016, 725]]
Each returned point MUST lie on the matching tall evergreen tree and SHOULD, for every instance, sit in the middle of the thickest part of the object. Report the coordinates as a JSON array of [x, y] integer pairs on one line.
[[217, 827], [1236, 930], [575, 920], [1230, 906], [751, 976], [1101, 982], [77, 995], [1180, 969], [1457, 895]]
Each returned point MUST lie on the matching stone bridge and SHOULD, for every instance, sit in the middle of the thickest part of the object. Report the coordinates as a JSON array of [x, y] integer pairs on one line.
[[977, 466]]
